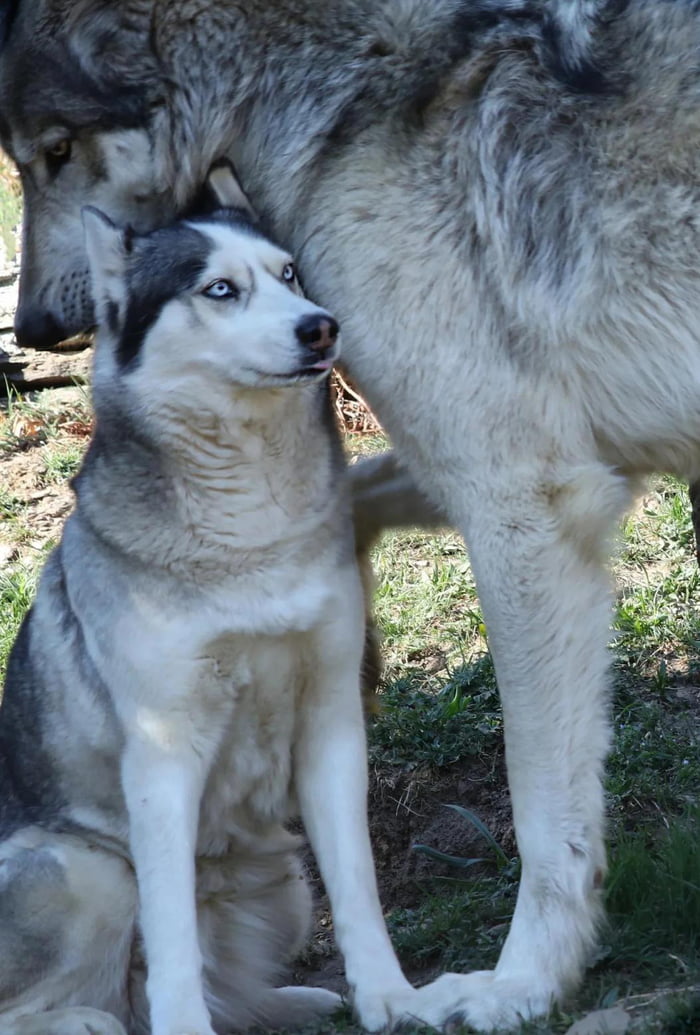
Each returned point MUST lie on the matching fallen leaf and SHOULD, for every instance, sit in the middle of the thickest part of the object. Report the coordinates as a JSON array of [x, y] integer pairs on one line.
[[27, 427]]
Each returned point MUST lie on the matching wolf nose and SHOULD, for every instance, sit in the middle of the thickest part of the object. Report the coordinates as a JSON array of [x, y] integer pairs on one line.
[[317, 332], [37, 330]]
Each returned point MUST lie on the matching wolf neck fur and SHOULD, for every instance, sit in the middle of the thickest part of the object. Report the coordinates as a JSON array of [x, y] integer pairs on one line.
[[260, 111]]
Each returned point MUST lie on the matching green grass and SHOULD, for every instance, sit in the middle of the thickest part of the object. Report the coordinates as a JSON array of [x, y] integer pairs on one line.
[[653, 898], [17, 589], [437, 722], [62, 463]]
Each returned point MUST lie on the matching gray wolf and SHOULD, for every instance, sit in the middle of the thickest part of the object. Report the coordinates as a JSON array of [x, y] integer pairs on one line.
[[498, 199], [190, 667]]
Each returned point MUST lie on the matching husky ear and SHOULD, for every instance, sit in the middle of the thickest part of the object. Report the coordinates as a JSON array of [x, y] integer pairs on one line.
[[107, 247], [224, 185]]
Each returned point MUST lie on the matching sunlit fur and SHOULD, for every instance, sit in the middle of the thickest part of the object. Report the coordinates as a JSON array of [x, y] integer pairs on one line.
[[499, 201]]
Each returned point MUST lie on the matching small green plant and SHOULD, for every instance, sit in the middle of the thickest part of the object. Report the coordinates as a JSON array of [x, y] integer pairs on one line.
[[420, 726], [11, 506], [502, 860], [61, 464], [17, 589]]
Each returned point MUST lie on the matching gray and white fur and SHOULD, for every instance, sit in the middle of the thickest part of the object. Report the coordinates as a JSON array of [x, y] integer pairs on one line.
[[499, 201]]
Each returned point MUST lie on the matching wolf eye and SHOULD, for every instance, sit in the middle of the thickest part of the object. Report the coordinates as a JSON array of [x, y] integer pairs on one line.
[[221, 289], [58, 154], [289, 273]]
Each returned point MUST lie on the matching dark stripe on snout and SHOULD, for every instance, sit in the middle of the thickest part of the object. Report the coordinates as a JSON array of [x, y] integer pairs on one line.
[[163, 265]]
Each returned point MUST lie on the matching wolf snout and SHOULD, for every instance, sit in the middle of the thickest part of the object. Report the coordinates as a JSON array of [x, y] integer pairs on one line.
[[38, 330], [318, 332]]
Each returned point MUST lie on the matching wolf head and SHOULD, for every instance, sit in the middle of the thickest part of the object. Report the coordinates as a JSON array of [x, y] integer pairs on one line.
[[201, 308], [94, 94], [78, 86]]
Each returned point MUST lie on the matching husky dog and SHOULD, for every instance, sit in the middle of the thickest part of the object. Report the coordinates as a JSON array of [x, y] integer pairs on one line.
[[191, 666], [499, 200]]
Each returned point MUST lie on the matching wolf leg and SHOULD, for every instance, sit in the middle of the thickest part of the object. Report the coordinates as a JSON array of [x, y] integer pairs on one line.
[[67, 919], [538, 551]]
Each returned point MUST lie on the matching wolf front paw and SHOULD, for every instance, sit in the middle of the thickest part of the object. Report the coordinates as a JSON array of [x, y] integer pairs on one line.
[[483, 1001], [479, 999]]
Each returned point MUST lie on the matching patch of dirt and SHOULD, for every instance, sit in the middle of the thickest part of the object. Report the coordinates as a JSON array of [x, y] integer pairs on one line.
[[37, 506], [408, 808]]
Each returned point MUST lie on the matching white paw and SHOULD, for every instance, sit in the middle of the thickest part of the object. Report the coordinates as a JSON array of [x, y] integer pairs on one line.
[[482, 1000], [323, 1002], [379, 1011], [479, 999], [296, 1006]]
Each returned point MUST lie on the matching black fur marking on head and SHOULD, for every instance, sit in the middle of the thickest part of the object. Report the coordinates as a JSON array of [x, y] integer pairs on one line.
[[164, 264], [236, 218]]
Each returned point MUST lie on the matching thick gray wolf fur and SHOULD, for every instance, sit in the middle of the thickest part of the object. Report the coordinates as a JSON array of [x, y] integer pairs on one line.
[[190, 668], [500, 200]]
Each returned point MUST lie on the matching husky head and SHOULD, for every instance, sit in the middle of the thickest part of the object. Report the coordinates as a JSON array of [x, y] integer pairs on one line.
[[203, 306], [78, 87]]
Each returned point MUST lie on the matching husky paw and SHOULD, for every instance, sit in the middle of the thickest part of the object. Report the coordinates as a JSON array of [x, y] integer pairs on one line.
[[297, 1006], [74, 1020], [388, 1009]]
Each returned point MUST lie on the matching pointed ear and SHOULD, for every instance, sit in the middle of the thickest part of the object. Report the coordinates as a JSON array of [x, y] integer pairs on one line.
[[224, 185], [107, 247]]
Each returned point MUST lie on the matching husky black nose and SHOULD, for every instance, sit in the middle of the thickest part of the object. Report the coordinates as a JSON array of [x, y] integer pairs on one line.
[[37, 330], [317, 332]]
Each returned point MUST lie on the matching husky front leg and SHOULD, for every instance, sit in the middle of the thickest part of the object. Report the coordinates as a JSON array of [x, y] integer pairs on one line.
[[539, 551], [331, 783], [163, 779]]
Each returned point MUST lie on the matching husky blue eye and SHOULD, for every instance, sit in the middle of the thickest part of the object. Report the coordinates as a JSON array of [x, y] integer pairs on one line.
[[289, 273], [219, 289]]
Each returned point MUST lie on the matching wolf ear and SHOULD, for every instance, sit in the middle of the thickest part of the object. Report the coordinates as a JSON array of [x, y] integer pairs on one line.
[[224, 185], [107, 247]]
